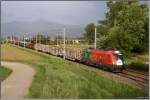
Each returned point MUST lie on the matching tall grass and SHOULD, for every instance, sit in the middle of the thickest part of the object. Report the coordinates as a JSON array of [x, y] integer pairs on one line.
[[57, 78]]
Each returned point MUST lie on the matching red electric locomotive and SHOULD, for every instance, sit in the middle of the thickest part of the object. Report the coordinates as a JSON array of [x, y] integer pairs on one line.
[[111, 59]]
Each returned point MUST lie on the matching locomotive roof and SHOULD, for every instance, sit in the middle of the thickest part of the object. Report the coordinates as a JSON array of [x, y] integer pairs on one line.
[[106, 51]]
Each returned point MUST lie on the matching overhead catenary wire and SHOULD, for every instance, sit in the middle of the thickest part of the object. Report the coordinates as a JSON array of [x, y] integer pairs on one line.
[[24, 40]]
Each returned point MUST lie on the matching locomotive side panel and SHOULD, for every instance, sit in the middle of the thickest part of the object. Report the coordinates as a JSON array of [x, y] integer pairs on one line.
[[104, 58]]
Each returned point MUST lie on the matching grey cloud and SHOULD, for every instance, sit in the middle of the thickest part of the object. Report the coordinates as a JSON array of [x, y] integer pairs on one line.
[[65, 12]]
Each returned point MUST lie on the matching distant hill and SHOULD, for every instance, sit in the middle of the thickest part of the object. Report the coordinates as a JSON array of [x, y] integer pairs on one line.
[[48, 28]]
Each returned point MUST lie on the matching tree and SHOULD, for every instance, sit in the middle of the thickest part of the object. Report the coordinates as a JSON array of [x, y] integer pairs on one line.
[[89, 35], [102, 31], [41, 38], [103, 27], [58, 39], [118, 39], [125, 26], [132, 19]]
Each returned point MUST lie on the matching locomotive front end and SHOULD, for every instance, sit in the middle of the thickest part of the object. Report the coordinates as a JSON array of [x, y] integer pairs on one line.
[[119, 60]]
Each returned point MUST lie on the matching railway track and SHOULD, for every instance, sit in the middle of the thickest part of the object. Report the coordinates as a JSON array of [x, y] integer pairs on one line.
[[141, 78], [138, 72]]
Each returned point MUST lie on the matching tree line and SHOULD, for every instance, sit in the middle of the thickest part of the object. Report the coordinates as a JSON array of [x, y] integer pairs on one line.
[[46, 39], [125, 27]]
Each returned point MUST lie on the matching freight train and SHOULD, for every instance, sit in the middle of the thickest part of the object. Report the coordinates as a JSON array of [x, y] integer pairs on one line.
[[106, 59]]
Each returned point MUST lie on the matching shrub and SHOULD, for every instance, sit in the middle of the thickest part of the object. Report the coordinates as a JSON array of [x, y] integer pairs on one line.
[[138, 64]]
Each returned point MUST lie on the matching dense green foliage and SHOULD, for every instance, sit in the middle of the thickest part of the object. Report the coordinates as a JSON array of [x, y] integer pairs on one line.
[[4, 72], [58, 78], [90, 29], [125, 26]]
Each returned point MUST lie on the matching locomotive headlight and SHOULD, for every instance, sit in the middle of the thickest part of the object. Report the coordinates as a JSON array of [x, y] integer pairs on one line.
[[117, 52], [114, 63], [119, 62]]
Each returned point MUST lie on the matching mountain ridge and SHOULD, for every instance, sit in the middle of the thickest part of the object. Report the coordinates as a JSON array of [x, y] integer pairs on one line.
[[46, 27]]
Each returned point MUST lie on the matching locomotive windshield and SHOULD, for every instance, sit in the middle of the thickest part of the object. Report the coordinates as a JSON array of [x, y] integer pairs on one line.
[[118, 56]]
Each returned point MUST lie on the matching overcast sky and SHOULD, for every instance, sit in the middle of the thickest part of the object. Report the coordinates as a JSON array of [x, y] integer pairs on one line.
[[64, 12]]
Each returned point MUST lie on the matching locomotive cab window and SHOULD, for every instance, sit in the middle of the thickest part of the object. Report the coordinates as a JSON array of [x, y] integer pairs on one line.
[[118, 56]]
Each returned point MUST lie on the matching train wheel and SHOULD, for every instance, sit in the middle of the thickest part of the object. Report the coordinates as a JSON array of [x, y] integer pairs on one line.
[[97, 65], [80, 61], [117, 70], [101, 66], [121, 69]]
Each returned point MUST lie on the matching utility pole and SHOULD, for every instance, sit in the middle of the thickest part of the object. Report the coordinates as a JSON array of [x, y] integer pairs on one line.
[[49, 41], [40, 38], [18, 40], [36, 41], [13, 39], [46, 39], [6, 39], [36, 38], [24, 40], [30, 39], [95, 37], [73, 42], [57, 39], [64, 42]]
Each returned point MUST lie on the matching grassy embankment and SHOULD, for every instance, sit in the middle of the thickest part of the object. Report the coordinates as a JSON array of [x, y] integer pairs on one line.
[[56, 78], [4, 72]]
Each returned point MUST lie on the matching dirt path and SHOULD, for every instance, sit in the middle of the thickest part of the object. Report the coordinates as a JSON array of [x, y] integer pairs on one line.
[[17, 84]]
